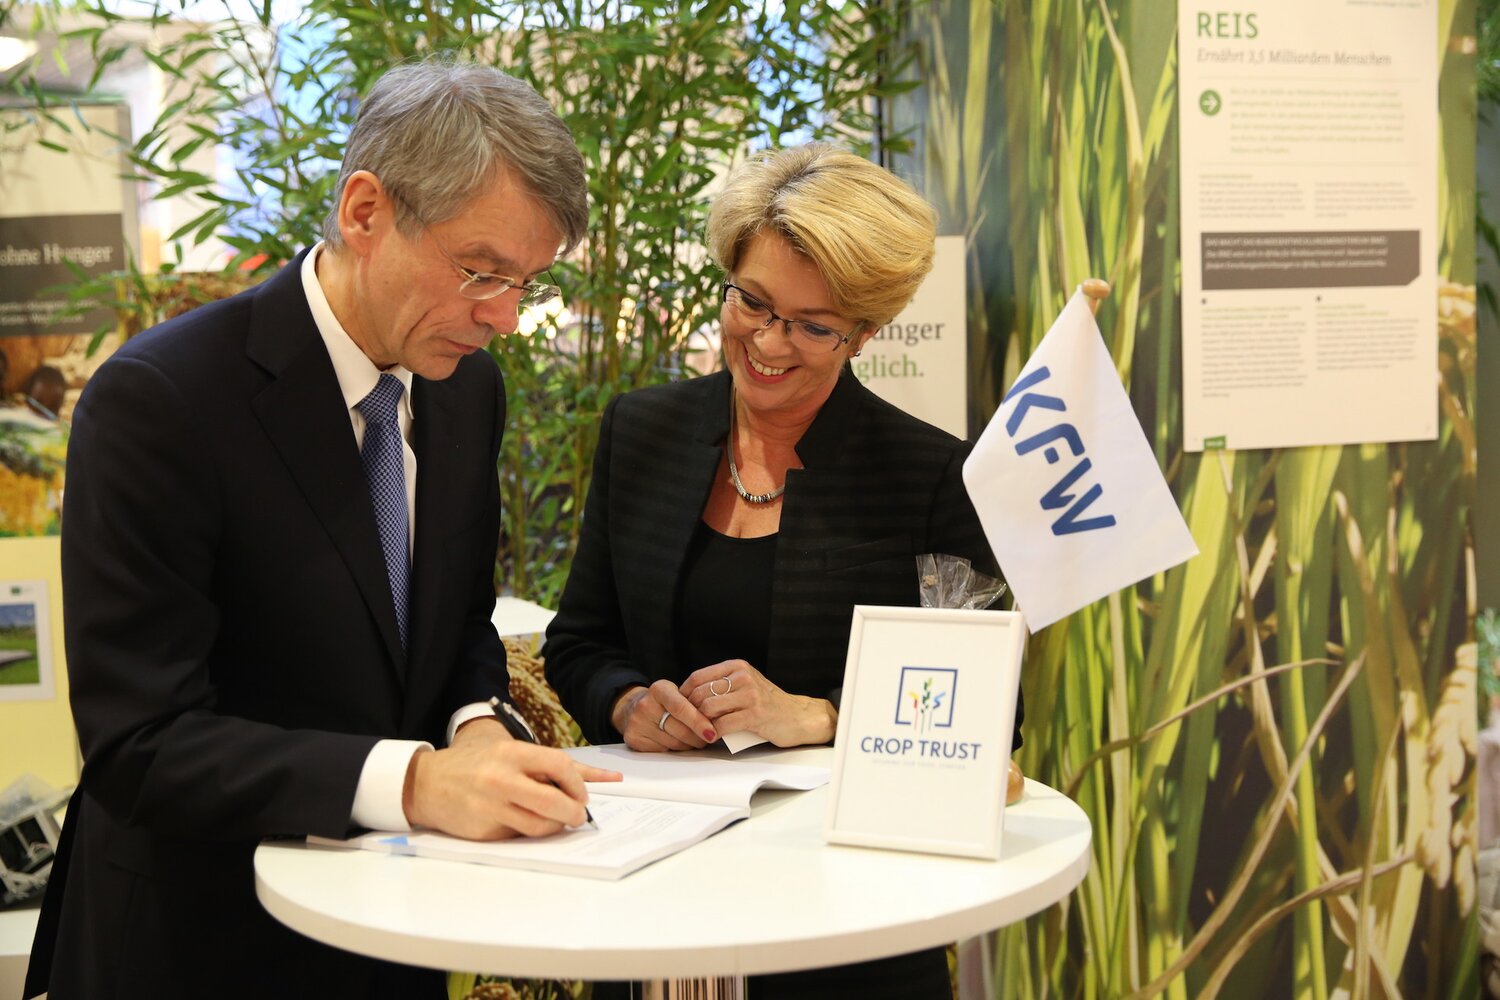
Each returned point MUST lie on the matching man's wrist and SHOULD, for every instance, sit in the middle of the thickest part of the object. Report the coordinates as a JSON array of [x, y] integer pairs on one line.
[[481, 726], [409, 797], [469, 712]]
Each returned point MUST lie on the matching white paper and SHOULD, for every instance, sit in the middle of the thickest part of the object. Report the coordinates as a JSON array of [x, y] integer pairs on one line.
[[693, 776], [742, 740], [664, 803], [632, 833]]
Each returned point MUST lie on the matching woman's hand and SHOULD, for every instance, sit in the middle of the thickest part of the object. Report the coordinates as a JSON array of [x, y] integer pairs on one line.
[[659, 718], [737, 697]]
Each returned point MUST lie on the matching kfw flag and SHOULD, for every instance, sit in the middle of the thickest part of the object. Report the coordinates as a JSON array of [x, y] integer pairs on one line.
[[1065, 483]]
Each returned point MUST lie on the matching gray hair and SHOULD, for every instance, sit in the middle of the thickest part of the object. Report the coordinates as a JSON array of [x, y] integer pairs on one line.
[[436, 132]]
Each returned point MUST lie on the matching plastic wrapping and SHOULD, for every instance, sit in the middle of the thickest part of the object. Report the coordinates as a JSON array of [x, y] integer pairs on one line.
[[950, 582]]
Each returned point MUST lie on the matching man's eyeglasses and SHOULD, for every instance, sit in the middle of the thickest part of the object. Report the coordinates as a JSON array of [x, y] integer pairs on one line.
[[752, 310], [482, 285]]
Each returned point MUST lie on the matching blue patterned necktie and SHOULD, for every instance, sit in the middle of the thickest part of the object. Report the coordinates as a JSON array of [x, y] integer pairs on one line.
[[382, 457]]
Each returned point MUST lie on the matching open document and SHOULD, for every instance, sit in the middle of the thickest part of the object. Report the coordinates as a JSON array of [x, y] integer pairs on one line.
[[666, 802]]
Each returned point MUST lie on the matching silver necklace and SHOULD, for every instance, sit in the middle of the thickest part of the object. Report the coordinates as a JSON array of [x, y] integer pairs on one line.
[[734, 473]]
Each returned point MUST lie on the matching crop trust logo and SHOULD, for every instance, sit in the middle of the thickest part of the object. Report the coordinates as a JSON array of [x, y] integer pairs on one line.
[[925, 696]]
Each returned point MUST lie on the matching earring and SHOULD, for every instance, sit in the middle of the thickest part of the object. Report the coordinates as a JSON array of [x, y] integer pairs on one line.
[[857, 353]]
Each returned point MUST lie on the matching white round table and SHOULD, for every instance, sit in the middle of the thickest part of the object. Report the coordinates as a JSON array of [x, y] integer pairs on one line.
[[765, 895]]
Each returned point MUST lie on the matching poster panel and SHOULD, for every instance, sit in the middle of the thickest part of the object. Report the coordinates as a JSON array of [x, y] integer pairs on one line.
[[919, 360], [63, 206], [1309, 222]]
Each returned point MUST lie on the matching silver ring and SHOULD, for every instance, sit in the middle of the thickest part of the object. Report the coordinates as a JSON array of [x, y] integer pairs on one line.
[[662, 722], [712, 693]]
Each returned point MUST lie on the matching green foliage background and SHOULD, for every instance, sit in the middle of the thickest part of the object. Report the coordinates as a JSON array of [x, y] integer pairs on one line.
[[1274, 740], [662, 96]]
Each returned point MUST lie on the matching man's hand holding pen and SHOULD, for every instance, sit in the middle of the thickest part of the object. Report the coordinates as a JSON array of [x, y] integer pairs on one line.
[[489, 786], [520, 731]]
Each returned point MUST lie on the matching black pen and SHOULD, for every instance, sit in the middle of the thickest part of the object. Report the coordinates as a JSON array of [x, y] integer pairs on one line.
[[519, 730]]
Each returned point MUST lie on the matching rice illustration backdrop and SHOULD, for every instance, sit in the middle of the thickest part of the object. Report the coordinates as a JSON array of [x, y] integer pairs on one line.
[[1274, 741]]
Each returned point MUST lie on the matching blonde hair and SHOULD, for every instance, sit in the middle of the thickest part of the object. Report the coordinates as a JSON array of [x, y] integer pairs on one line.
[[867, 232]]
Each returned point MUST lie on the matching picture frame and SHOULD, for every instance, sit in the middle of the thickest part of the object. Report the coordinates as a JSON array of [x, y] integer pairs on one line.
[[26, 672], [925, 731]]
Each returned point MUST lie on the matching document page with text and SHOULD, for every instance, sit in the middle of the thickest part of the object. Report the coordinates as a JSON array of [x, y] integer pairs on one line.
[[664, 803]]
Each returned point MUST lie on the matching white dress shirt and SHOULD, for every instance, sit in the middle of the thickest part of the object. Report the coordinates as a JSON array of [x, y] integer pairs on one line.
[[377, 799]]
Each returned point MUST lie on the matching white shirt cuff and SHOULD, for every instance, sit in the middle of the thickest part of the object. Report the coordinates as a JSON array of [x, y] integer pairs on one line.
[[377, 798], [471, 711]]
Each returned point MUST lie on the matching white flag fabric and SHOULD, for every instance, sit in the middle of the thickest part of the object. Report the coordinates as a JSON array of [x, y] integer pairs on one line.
[[1067, 489]]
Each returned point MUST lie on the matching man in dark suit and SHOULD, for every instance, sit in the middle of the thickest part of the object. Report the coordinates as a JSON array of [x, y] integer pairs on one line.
[[280, 528]]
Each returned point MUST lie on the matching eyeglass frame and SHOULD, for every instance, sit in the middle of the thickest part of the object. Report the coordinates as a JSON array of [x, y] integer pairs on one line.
[[533, 293], [787, 324]]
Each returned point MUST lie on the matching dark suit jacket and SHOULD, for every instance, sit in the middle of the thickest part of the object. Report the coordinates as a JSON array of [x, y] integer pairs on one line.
[[232, 645], [878, 488]]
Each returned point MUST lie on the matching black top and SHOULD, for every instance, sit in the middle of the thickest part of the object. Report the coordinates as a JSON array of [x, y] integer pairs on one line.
[[724, 601], [877, 488]]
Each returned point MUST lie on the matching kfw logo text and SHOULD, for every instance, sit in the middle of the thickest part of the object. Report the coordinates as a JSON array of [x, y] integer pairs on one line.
[[1057, 498]]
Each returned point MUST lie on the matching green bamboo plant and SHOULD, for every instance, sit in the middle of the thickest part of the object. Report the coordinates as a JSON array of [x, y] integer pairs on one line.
[[662, 96], [1274, 740]]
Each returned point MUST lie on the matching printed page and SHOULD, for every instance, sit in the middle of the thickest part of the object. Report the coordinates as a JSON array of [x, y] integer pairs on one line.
[[666, 802], [632, 833], [1309, 160], [708, 776]]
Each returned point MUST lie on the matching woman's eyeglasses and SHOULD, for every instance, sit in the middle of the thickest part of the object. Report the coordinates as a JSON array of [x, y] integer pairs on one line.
[[752, 310]]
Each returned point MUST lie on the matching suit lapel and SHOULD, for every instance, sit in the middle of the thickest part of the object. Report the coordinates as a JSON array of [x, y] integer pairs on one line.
[[693, 468], [689, 468], [815, 503], [811, 506], [431, 430], [303, 415]]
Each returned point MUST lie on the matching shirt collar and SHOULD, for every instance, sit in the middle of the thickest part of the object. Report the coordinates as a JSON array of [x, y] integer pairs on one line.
[[356, 373]]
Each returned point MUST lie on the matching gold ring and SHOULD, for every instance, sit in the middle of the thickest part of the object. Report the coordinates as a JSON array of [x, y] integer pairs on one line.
[[662, 722]]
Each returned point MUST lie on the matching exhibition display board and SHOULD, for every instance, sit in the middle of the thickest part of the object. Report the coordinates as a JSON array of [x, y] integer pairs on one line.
[[1309, 222]]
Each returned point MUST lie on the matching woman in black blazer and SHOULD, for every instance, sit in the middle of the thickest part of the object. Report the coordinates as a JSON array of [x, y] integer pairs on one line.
[[734, 520]]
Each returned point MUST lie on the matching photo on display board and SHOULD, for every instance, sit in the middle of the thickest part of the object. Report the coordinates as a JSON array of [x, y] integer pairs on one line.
[[25, 646], [36, 395]]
